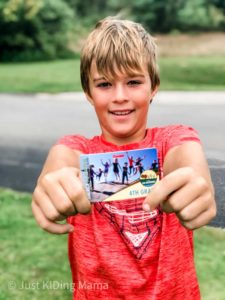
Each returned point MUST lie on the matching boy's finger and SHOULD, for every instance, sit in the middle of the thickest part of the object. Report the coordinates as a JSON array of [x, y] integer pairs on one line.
[[48, 207], [162, 189], [77, 195], [48, 225], [199, 221], [61, 201], [82, 204]]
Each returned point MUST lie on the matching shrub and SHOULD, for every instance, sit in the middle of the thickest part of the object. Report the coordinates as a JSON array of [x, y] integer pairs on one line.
[[200, 15], [34, 29]]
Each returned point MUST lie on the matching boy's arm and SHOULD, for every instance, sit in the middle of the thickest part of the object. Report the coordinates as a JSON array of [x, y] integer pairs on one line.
[[58, 157], [186, 187], [59, 192]]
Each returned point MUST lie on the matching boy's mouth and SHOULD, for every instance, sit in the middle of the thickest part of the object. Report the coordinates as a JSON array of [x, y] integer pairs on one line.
[[121, 112]]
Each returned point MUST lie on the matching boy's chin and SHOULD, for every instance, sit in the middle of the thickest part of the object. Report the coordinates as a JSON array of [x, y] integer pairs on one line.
[[123, 135]]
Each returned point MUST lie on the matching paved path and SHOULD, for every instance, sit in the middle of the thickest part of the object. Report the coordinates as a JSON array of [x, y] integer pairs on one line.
[[30, 124]]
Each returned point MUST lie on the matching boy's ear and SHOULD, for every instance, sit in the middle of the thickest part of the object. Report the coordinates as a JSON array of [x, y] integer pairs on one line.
[[153, 93], [89, 98]]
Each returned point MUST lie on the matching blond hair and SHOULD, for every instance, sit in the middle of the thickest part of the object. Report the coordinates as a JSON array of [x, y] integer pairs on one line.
[[118, 46]]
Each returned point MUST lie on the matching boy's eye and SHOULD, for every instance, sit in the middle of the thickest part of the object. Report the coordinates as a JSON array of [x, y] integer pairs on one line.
[[103, 84], [134, 82]]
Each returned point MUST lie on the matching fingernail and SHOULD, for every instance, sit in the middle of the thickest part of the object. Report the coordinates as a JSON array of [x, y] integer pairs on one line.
[[146, 207]]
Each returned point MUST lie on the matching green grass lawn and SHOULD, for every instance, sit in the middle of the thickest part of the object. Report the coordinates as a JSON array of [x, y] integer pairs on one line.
[[193, 73], [31, 259], [34, 264], [210, 262], [53, 77], [177, 73]]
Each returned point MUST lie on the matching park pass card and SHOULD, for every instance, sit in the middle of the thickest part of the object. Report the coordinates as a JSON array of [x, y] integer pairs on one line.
[[121, 175]]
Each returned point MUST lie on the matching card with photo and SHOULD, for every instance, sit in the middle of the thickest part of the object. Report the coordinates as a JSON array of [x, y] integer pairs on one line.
[[119, 175]]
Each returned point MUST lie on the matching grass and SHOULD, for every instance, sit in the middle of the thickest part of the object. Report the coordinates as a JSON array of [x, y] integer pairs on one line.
[[193, 73], [31, 259], [37, 77], [177, 73], [210, 262], [34, 264]]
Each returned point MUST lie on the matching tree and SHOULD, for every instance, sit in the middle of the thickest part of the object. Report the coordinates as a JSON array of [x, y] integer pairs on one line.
[[201, 15], [167, 15], [156, 15], [161, 15], [34, 29]]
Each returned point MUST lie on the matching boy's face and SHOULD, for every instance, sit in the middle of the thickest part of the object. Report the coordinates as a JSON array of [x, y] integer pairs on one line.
[[121, 104]]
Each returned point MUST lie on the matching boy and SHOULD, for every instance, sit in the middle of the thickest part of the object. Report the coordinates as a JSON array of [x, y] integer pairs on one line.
[[130, 249]]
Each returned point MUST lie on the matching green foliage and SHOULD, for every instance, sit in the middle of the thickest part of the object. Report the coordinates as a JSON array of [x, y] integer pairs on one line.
[[220, 4], [87, 8], [158, 16], [88, 12], [165, 16], [34, 29], [200, 15]]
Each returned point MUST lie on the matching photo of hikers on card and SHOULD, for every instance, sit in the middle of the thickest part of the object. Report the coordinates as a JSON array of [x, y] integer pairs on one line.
[[104, 174]]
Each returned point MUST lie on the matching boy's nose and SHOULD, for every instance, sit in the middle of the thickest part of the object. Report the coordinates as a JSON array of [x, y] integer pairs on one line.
[[120, 94]]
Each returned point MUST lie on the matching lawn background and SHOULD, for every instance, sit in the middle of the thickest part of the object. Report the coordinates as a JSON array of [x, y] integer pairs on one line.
[[34, 263], [191, 73]]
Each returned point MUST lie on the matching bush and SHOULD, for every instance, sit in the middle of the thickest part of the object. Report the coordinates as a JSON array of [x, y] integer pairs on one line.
[[166, 16], [34, 29], [200, 15]]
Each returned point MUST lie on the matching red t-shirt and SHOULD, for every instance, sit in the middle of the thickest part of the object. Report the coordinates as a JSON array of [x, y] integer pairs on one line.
[[118, 251]]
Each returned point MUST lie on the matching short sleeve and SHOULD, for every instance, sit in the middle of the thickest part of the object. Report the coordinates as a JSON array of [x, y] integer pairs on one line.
[[75, 142], [179, 134]]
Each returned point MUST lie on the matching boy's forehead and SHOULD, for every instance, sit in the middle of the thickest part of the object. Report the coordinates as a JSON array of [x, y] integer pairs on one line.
[[114, 72]]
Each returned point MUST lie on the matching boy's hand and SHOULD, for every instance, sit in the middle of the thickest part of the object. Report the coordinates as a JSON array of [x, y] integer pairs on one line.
[[185, 193], [59, 194]]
